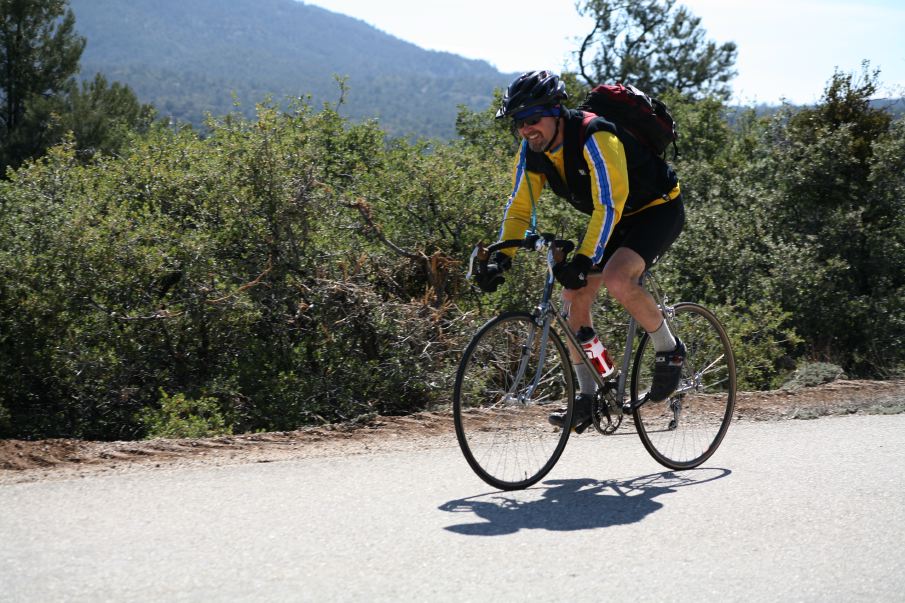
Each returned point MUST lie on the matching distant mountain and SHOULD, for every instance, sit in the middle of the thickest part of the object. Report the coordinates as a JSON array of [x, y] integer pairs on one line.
[[189, 57], [893, 106]]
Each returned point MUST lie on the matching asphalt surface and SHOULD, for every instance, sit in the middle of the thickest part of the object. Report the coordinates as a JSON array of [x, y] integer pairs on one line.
[[791, 511]]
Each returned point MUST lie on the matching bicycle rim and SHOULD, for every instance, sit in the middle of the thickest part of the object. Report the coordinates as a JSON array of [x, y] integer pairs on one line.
[[504, 435], [686, 429]]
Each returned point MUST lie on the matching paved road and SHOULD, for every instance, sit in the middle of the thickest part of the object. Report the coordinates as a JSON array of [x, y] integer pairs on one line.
[[791, 511]]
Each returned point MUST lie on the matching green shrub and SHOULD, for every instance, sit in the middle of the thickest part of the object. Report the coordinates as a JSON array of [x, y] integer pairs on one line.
[[810, 374], [181, 417], [236, 267]]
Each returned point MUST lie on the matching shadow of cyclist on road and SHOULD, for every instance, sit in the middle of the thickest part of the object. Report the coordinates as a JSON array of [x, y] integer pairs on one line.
[[578, 504]]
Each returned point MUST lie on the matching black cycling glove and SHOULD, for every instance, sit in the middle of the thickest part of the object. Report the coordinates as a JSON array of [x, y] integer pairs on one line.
[[490, 275], [574, 273]]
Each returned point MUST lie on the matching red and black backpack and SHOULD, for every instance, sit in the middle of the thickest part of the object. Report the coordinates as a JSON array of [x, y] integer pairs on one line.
[[645, 118]]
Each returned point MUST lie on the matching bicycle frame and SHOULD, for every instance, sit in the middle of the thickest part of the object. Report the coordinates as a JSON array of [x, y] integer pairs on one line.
[[547, 309]]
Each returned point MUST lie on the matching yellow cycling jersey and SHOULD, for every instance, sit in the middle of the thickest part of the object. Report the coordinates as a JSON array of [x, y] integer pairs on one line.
[[606, 160]]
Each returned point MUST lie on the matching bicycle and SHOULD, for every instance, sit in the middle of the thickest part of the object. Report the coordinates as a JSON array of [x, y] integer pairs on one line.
[[516, 369]]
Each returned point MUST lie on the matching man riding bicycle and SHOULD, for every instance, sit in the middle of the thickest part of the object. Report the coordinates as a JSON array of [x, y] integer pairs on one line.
[[636, 212]]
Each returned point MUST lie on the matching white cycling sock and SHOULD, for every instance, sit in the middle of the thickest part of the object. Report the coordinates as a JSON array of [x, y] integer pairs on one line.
[[586, 382], [663, 339]]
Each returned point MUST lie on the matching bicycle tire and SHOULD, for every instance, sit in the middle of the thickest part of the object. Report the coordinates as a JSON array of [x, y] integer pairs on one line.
[[508, 442], [686, 429]]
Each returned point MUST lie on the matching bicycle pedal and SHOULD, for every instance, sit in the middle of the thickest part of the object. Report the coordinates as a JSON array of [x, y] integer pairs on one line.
[[628, 408]]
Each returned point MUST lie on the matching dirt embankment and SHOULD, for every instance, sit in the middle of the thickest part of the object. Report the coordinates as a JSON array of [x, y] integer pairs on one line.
[[23, 461]]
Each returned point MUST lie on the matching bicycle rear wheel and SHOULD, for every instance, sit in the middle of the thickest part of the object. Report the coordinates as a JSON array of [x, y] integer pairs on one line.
[[500, 423], [684, 430]]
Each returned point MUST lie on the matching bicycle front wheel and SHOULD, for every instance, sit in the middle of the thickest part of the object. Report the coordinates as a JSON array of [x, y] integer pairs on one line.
[[508, 381], [684, 430]]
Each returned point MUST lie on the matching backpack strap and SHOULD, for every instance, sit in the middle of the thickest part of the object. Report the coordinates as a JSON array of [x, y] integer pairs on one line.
[[540, 163], [585, 122]]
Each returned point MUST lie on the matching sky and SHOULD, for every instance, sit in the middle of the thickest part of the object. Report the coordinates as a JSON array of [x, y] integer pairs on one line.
[[787, 49]]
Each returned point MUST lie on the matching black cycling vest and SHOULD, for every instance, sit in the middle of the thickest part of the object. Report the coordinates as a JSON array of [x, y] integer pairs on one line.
[[649, 176]]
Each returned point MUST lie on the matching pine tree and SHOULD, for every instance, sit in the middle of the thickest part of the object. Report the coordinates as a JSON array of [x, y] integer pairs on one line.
[[39, 57], [99, 116], [654, 47]]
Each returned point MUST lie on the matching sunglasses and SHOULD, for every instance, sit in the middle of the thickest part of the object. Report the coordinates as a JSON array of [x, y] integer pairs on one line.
[[528, 121]]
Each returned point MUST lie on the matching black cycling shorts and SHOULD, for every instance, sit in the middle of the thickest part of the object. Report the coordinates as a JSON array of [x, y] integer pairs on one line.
[[649, 233]]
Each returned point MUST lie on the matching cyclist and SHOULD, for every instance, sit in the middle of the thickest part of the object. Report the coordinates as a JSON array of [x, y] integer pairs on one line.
[[633, 199]]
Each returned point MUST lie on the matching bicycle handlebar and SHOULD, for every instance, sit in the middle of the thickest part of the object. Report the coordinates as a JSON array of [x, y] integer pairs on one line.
[[508, 244], [533, 241]]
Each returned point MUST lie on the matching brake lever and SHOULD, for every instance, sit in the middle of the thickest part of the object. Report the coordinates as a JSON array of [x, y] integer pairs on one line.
[[561, 249], [481, 253]]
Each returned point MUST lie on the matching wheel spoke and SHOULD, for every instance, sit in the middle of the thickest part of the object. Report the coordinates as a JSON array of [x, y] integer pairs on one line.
[[707, 368]]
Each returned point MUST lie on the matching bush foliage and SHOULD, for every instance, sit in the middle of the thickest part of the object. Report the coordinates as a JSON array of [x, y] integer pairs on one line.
[[297, 268]]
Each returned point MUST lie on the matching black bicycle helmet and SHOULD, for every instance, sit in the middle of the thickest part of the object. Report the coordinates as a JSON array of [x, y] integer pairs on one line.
[[532, 89]]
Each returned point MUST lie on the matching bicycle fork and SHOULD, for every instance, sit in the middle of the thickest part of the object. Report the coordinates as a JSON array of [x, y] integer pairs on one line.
[[524, 360], [542, 323]]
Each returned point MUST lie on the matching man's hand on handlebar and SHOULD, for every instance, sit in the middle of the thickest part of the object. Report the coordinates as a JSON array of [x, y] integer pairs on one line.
[[490, 274], [574, 273]]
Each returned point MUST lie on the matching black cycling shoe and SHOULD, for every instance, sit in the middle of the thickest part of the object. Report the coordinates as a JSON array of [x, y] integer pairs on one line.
[[581, 417], [667, 373]]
